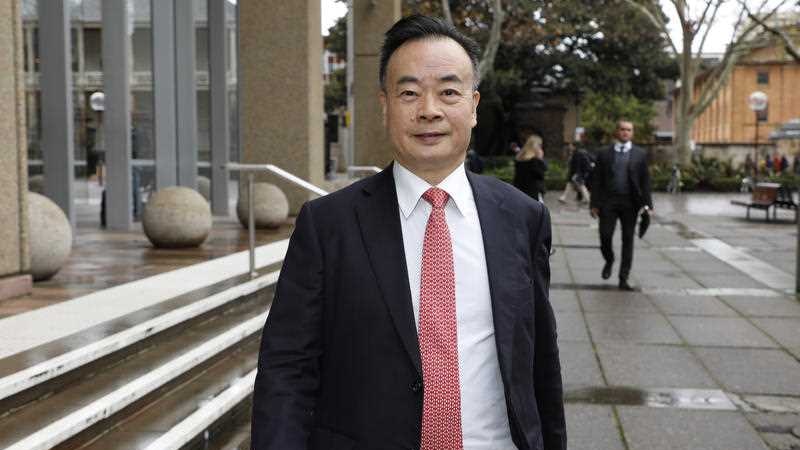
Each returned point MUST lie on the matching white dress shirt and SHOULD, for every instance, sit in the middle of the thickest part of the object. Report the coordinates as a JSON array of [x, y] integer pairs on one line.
[[484, 418], [623, 147]]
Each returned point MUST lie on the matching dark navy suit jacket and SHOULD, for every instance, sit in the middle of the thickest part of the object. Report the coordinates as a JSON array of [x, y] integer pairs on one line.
[[340, 365]]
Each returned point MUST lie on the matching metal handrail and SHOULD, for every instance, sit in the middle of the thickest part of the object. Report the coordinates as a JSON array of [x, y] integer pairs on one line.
[[251, 169], [351, 169]]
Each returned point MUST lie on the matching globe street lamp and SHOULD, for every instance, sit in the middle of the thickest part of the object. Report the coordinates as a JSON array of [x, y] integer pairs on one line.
[[757, 102]]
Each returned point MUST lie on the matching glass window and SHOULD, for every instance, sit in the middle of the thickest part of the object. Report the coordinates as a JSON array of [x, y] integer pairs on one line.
[[92, 49], [762, 77]]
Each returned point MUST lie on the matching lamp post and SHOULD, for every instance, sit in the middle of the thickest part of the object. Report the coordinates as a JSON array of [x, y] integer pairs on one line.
[[757, 102]]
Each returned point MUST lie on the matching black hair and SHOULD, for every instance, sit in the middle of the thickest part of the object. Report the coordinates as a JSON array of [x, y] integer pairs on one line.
[[416, 27]]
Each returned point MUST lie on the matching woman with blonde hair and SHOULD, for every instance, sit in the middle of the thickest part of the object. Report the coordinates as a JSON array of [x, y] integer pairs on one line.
[[529, 168]]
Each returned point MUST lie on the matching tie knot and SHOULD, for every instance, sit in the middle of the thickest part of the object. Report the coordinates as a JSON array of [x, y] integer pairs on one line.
[[436, 197]]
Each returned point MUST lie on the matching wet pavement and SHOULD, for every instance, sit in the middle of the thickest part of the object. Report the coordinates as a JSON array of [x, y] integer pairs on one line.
[[704, 354]]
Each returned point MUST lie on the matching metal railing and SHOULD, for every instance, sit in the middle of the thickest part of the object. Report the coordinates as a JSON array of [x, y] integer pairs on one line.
[[354, 169], [251, 169]]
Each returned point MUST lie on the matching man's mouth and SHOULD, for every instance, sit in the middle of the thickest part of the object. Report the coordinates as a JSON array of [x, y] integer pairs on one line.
[[429, 134]]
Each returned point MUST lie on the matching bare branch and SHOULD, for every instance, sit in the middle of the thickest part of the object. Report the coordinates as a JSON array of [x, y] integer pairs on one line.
[[717, 80], [487, 61], [657, 21], [679, 8], [790, 46], [708, 25], [702, 18], [753, 25], [448, 16]]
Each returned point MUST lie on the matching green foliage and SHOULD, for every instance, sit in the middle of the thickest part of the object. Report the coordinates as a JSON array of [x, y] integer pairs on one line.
[[601, 112], [788, 180], [502, 167], [336, 91], [567, 46], [336, 41]]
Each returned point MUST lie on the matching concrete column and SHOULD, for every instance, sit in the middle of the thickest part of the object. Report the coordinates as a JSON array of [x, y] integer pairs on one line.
[[370, 20], [164, 122], [218, 90], [117, 114], [14, 255], [58, 148], [186, 91], [281, 98]]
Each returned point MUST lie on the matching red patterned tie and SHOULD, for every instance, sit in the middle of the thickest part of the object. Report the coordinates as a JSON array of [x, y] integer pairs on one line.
[[441, 409]]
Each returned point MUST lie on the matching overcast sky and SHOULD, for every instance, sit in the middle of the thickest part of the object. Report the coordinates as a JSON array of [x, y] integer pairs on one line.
[[722, 31], [331, 10]]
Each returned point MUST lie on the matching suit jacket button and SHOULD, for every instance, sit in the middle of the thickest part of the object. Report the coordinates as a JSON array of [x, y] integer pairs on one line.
[[416, 386]]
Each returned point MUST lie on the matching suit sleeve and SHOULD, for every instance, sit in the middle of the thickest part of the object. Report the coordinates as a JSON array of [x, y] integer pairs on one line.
[[547, 368], [598, 183], [285, 391]]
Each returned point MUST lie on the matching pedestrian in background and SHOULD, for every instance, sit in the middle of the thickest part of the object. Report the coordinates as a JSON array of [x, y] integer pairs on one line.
[[580, 166], [784, 164], [530, 167], [674, 185], [749, 167], [620, 188]]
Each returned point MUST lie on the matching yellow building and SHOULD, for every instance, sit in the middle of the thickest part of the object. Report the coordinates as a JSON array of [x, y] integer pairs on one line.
[[728, 126]]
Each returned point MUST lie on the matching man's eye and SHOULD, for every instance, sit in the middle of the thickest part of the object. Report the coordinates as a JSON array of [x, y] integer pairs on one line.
[[408, 94], [449, 92]]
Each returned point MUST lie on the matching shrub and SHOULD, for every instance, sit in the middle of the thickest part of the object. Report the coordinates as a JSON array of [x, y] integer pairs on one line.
[[726, 184]]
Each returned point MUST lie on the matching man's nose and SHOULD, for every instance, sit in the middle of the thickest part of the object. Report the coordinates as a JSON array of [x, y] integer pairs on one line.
[[429, 108]]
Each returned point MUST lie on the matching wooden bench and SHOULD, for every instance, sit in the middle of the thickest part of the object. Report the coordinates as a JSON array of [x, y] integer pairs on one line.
[[764, 197]]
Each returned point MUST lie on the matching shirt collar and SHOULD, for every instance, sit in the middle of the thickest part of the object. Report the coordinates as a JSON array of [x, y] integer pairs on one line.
[[410, 188], [620, 147]]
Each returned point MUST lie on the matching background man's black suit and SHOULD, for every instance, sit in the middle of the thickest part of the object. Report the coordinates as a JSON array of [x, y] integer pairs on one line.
[[340, 365], [613, 207]]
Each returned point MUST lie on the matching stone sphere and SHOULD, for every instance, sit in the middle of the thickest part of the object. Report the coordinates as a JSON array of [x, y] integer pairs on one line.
[[271, 206], [176, 217], [36, 184], [50, 236], [204, 187]]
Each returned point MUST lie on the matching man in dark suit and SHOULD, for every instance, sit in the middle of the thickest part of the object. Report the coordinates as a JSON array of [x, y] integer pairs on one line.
[[620, 188], [412, 308]]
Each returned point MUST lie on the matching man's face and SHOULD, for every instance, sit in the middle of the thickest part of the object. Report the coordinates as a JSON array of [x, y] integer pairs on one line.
[[429, 105], [624, 131]]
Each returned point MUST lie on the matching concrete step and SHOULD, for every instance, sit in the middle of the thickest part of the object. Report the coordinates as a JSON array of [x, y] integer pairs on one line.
[[105, 394]]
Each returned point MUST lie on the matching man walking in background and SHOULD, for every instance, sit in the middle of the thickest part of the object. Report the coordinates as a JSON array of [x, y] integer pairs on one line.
[[620, 188]]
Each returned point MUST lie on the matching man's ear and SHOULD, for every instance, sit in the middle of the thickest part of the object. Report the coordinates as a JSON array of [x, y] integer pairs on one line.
[[476, 98], [382, 99]]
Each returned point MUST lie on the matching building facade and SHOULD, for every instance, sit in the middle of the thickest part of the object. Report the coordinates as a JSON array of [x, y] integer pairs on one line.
[[728, 128]]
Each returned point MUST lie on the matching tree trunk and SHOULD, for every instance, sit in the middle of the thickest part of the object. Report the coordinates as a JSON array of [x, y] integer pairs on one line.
[[684, 119]]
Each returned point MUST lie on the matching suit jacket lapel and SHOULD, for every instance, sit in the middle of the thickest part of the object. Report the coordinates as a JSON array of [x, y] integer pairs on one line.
[[496, 226], [379, 219]]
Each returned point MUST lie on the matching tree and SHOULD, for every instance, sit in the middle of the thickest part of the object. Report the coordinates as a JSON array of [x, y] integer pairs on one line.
[[694, 25], [336, 40], [779, 32], [601, 113], [568, 47], [477, 16]]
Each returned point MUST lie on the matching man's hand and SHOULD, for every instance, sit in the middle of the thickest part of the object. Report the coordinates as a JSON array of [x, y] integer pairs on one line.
[[594, 212]]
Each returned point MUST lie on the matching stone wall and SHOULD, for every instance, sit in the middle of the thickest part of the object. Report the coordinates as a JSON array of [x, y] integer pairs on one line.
[[14, 257]]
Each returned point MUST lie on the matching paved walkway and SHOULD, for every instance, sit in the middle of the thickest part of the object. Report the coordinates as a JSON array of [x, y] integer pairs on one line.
[[704, 355]]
